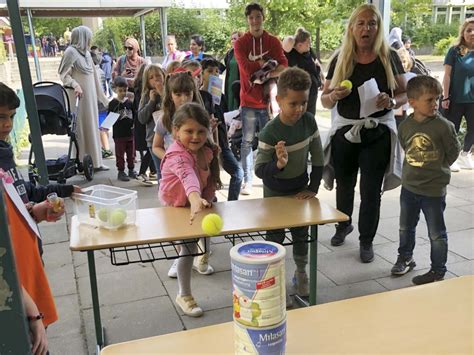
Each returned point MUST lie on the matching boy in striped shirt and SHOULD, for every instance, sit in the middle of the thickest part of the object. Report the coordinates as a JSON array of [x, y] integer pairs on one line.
[[285, 144]]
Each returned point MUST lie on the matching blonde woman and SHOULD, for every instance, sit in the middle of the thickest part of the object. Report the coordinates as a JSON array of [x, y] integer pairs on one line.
[[458, 100], [363, 143]]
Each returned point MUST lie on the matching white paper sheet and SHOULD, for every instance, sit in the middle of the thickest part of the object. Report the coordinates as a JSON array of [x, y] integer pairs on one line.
[[16, 199], [109, 121], [368, 96]]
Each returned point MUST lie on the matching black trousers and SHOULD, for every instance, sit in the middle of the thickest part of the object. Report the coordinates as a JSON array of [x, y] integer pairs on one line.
[[146, 162], [455, 114], [371, 157]]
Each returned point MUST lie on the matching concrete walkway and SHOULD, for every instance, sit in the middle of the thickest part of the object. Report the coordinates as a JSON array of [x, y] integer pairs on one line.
[[138, 300]]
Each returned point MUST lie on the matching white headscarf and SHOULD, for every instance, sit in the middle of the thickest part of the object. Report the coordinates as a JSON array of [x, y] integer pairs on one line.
[[395, 36], [80, 40]]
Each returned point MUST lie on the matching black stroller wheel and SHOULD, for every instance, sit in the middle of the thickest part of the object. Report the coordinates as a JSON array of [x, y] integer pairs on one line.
[[88, 167]]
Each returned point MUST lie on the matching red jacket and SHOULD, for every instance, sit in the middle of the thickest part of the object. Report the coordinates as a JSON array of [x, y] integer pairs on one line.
[[246, 48]]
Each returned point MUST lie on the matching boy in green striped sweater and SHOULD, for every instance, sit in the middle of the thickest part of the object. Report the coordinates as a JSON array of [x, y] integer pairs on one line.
[[282, 160]]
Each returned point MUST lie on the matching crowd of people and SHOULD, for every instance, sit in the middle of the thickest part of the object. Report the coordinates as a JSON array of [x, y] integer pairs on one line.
[[169, 114]]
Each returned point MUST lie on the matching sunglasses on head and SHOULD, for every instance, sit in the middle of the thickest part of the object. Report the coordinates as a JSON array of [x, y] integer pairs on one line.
[[128, 48]]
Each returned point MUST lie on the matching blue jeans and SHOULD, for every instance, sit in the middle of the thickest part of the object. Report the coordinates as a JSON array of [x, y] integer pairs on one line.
[[157, 162], [433, 208], [251, 117], [232, 167]]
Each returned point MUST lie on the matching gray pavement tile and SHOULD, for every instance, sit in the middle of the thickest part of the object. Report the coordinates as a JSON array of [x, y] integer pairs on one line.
[[462, 242], [69, 322], [468, 208], [454, 201], [102, 264], [345, 267], [122, 287], [210, 291], [337, 293], [396, 282], [462, 179], [462, 268], [465, 193], [134, 320], [421, 254], [215, 316], [457, 220], [62, 280], [70, 345], [57, 254], [52, 233]]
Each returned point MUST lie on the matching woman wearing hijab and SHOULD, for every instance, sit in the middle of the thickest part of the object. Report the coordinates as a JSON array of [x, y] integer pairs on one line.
[[128, 64], [77, 71], [395, 38]]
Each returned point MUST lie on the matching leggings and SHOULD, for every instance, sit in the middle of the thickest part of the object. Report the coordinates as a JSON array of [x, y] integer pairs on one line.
[[455, 113]]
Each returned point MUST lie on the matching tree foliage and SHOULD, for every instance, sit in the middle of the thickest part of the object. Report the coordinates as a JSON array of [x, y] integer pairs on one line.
[[283, 17], [56, 26]]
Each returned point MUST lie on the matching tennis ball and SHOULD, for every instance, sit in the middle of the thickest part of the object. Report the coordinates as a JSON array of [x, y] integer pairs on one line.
[[103, 214], [347, 84], [212, 224], [117, 217]]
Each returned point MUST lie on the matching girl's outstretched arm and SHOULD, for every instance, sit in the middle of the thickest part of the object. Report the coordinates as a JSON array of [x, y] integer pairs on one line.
[[197, 204]]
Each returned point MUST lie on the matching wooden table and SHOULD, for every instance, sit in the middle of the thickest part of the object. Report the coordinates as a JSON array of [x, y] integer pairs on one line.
[[436, 318], [163, 224]]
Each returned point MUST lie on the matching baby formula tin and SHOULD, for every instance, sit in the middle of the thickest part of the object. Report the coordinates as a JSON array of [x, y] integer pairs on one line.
[[263, 341], [258, 278]]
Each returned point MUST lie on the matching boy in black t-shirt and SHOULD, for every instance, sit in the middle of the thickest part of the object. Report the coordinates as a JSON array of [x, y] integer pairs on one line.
[[123, 130]]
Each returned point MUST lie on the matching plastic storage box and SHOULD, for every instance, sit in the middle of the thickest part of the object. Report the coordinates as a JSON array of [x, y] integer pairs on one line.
[[106, 206]]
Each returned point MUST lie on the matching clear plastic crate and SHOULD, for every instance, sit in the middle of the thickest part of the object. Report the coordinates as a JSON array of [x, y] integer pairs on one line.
[[106, 206]]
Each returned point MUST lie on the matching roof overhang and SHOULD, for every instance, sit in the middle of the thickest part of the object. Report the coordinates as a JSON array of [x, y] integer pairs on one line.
[[105, 8], [86, 8]]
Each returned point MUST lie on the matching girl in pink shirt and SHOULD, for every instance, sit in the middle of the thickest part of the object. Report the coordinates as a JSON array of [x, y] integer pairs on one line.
[[190, 177]]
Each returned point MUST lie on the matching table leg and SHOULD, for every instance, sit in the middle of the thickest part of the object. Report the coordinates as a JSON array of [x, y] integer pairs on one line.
[[313, 264], [95, 299]]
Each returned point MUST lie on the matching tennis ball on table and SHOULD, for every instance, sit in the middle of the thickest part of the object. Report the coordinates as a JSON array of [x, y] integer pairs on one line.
[[103, 214], [212, 224], [347, 84], [118, 217]]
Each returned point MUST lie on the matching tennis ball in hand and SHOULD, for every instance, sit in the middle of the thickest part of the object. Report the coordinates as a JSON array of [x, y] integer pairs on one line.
[[212, 224], [347, 84], [118, 217], [103, 214]]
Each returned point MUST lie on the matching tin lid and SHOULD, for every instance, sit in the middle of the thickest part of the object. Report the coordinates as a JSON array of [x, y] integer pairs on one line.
[[257, 252]]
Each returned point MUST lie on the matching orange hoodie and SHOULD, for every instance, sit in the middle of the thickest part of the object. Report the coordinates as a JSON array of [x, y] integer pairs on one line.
[[29, 265]]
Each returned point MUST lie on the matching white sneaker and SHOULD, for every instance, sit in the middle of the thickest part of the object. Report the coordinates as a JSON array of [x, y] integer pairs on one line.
[[465, 161], [143, 179], [246, 189], [173, 271], [201, 265], [189, 306], [455, 167]]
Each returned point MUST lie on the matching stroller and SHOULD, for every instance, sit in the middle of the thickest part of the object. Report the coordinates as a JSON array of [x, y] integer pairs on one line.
[[55, 117]]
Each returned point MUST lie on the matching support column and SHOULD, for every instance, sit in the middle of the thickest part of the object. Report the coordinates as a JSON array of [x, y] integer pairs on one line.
[[164, 27], [384, 8], [25, 75], [33, 44], [142, 35]]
